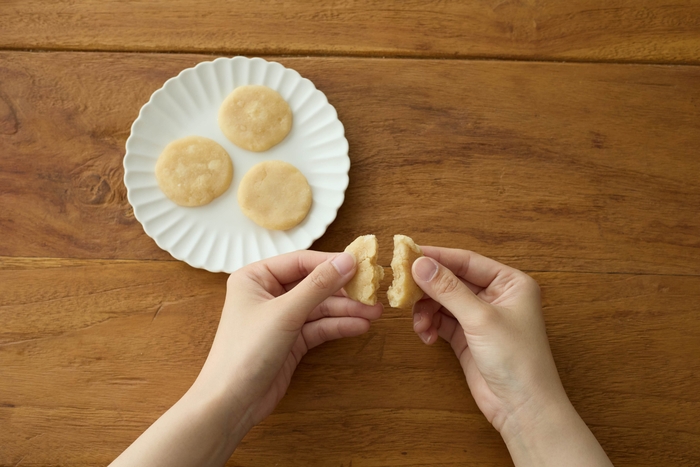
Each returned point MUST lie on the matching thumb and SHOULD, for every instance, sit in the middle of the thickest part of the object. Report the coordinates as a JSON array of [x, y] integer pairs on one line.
[[446, 288], [325, 280]]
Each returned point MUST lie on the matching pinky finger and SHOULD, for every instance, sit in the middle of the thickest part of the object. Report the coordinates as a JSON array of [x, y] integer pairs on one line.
[[323, 330]]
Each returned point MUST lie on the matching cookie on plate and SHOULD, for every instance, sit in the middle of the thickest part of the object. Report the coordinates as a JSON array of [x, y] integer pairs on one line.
[[275, 195], [255, 117], [404, 292], [193, 171], [364, 285]]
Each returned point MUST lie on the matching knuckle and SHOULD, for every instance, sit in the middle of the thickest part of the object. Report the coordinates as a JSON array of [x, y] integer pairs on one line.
[[447, 284], [254, 272], [323, 309], [321, 280], [231, 279], [531, 284], [322, 334], [234, 278]]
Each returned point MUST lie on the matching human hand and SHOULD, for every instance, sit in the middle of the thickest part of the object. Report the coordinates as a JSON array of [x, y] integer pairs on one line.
[[492, 317], [275, 311]]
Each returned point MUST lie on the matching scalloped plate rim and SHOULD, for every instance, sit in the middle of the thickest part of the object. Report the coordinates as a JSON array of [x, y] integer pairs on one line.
[[321, 227]]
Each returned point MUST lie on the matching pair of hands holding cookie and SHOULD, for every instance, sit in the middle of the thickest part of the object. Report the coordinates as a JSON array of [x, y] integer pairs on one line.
[[278, 309]]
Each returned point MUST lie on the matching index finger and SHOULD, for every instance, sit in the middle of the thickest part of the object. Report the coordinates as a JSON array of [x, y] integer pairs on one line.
[[472, 267], [293, 267]]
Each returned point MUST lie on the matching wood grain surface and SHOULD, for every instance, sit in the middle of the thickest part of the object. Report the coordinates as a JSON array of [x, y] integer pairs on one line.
[[546, 166], [104, 348], [584, 30], [583, 174]]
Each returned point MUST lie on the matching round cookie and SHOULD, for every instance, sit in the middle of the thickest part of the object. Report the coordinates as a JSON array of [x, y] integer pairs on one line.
[[275, 195], [193, 171], [255, 117]]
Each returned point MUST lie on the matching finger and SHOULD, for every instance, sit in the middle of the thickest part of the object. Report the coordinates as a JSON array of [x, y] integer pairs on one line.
[[473, 287], [445, 288], [326, 329], [291, 285], [324, 281], [451, 331], [440, 308], [344, 307], [431, 334], [470, 266], [447, 328], [423, 312], [295, 266]]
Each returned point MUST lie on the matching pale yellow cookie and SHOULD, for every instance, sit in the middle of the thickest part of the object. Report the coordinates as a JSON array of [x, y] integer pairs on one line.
[[194, 170], [404, 292], [255, 117], [364, 285], [275, 195]]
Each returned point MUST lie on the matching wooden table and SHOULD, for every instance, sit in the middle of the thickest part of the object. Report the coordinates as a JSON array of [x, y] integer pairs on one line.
[[561, 138]]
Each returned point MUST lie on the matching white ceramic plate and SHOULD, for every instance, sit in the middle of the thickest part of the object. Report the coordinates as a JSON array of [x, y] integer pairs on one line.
[[218, 236]]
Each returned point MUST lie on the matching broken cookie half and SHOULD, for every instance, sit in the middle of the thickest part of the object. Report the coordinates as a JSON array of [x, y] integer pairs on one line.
[[364, 285], [404, 291]]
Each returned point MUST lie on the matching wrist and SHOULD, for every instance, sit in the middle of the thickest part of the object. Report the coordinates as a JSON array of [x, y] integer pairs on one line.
[[533, 434], [526, 425], [228, 413], [530, 419], [552, 435]]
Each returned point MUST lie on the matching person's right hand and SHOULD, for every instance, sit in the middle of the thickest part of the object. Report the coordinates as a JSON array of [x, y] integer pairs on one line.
[[491, 315]]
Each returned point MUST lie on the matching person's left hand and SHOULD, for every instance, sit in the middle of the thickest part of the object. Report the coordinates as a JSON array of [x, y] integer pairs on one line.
[[275, 311]]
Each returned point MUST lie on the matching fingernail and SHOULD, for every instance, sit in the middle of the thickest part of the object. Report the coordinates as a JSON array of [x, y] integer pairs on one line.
[[416, 319], [343, 263], [425, 337], [425, 268]]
